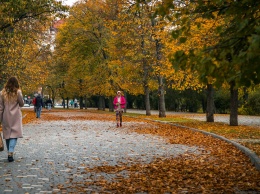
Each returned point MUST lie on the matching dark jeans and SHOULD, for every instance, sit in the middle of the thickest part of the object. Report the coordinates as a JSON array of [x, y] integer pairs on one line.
[[38, 111]]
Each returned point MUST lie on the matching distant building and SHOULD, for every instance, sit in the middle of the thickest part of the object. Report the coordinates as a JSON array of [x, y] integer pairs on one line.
[[55, 26], [53, 31]]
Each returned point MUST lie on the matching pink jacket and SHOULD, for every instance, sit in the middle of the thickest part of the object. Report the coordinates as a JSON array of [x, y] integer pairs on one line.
[[122, 103], [11, 117]]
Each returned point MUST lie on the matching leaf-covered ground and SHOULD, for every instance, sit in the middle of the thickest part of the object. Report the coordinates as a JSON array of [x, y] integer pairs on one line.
[[230, 132], [220, 168]]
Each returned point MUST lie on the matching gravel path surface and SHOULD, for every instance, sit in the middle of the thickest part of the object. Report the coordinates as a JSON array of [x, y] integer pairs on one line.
[[224, 118], [51, 153]]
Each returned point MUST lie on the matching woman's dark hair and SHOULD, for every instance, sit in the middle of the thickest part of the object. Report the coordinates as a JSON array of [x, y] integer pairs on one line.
[[10, 89], [12, 85]]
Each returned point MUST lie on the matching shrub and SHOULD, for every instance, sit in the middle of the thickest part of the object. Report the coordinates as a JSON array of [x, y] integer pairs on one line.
[[252, 105], [222, 101]]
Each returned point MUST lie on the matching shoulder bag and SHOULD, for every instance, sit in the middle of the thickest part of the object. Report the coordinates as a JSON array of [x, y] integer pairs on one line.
[[1, 143]]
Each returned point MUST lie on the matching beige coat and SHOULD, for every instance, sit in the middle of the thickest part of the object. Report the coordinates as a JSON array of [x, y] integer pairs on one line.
[[11, 117]]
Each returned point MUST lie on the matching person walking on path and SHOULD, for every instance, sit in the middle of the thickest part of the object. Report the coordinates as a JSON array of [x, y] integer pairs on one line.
[[11, 99], [72, 103], [34, 102], [39, 105], [75, 103], [119, 105], [49, 104]]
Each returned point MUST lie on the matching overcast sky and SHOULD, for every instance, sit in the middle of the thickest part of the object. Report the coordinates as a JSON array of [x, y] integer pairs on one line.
[[69, 2]]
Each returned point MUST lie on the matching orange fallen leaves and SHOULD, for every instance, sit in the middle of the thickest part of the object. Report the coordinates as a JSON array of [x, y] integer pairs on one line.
[[219, 168], [79, 115], [230, 132], [28, 116]]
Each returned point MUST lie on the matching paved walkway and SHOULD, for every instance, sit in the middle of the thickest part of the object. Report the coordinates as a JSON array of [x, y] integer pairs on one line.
[[51, 154], [224, 118]]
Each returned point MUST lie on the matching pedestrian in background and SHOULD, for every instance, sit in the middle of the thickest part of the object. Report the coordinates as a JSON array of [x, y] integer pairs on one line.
[[72, 103], [119, 105], [49, 104], [34, 102], [39, 105], [11, 99], [75, 103]]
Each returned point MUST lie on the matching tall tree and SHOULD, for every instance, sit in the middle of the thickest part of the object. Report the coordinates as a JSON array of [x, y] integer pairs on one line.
[[131, 48], [231, 58], [23, 28], [82, 40]]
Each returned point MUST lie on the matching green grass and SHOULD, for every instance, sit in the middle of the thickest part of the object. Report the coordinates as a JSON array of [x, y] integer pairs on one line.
[[175, 120]]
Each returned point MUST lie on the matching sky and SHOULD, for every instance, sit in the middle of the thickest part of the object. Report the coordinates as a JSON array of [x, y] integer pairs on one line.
[[69, 2]]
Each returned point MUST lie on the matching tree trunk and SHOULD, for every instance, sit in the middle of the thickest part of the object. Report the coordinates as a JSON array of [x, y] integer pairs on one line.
[[53, 102], [111, 106], [233, 105], [145, 79], [63, 102], [210, 103], [125, 102], [104, 103], [52, 97], [147, 101], [162, 111], [86, 100], [204, 101], [81, 102], [67, 103], [101, 103]]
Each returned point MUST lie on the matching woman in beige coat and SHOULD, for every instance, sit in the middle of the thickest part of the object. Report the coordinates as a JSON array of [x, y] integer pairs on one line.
[[11, 99]]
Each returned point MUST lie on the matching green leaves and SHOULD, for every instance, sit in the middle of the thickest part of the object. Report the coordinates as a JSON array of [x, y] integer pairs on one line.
[[183, 39], [234, 33]]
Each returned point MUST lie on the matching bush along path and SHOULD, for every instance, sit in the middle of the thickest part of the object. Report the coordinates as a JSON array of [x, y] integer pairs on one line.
[[84, 152]]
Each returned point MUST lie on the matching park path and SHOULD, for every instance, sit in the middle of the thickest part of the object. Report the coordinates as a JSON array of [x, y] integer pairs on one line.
[[223, 118], [85, 153], [51, 154]]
